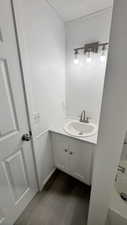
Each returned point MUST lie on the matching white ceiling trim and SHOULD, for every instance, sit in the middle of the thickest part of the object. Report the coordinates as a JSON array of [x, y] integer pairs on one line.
[[73, 9]]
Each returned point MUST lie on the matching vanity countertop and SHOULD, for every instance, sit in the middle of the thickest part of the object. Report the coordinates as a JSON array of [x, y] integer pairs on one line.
[[60, 130]]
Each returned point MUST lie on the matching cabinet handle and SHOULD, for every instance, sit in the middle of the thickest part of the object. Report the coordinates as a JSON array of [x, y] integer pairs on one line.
[[70, 153], [66, 150]]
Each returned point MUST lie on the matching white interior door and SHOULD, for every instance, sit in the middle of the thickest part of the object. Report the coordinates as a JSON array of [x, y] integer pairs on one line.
[[17, 174]]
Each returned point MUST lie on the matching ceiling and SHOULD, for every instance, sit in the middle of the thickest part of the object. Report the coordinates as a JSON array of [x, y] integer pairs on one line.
[[72, 9]]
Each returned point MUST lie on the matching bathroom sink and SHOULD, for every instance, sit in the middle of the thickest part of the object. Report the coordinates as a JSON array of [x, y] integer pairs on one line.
[[80, 129]]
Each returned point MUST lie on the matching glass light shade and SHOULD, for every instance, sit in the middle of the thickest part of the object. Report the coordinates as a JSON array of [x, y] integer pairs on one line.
[[89, 57], [102, 58], [76, 61], [89, 60]]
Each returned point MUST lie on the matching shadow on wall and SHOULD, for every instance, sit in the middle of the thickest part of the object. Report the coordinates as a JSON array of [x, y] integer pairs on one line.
[[124, 150]]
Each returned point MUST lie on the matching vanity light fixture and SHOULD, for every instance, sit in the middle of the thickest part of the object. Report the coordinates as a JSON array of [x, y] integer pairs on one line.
[[89, 49], [76, 60]]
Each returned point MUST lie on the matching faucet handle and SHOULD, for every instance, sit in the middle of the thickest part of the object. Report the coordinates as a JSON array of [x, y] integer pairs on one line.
[[87, 120]]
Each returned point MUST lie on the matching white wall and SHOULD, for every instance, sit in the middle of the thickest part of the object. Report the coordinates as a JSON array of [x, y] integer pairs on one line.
[[45, 40], [42, 45], [113, 122], [84, 82]]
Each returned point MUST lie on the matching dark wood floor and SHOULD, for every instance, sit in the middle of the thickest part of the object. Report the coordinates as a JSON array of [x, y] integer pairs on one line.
[[63, 201]]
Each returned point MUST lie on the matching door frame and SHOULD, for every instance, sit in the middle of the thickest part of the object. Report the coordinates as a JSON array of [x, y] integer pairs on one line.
[[19, 34]]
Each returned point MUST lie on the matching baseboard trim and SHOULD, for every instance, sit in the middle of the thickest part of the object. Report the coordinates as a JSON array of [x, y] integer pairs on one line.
[[46, 179]]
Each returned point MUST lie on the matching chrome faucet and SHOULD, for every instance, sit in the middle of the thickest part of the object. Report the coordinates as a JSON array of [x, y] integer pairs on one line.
[[83, 117]]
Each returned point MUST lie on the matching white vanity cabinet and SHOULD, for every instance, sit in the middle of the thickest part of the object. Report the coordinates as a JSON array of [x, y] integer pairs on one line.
[[74, 157]]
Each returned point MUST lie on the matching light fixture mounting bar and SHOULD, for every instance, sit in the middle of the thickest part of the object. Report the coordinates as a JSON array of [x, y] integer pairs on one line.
[[91, 47]]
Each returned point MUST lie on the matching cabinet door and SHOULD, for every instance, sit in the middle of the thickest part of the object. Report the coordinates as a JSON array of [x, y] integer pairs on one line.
[[60, 151], [80, 160]]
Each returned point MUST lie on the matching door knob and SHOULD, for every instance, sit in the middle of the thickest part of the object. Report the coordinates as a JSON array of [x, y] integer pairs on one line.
[[27, 136]]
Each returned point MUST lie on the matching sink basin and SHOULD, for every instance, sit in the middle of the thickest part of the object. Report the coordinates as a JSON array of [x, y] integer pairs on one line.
[[79, 129]]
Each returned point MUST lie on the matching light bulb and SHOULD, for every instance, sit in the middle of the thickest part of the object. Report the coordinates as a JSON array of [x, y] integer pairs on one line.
[[89, 58], [76, 60], [102, 58]]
